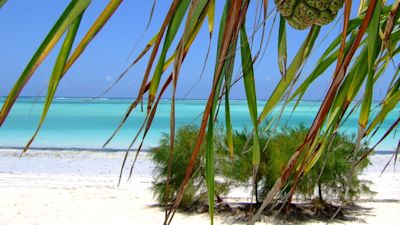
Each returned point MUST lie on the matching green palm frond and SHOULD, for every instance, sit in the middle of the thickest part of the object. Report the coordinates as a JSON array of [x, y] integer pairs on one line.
[[358, 57]]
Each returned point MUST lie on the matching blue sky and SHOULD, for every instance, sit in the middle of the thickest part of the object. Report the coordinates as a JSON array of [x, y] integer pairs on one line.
[[24, 25]]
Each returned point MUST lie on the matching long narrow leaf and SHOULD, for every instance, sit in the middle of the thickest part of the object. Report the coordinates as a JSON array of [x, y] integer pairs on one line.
[[324, 109], [291, 73], [56, 75], [282, 51], [190, 38], [235, 17], [169, 37], [92, 32], [249, 84], [210, 15], [73, 10]]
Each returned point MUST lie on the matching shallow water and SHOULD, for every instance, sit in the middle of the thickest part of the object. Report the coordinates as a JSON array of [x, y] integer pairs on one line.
[[87, 123]]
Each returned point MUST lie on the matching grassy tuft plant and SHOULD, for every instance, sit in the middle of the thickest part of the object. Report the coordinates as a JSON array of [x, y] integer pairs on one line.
[[328, 178], [196, 192]]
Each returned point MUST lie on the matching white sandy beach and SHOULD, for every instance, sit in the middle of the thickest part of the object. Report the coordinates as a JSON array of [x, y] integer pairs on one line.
[[81, 188]]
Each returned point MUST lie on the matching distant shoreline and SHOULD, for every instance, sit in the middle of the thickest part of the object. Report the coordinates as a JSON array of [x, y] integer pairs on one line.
[[72, 149], [145, 98], [378, 152]]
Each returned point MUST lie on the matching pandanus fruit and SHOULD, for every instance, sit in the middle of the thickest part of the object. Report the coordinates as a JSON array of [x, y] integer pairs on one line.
[[302, 14]]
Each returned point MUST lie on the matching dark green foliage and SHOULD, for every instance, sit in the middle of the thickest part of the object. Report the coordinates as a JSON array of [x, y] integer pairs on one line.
[[330, 183], [336, 163], [195, 193]]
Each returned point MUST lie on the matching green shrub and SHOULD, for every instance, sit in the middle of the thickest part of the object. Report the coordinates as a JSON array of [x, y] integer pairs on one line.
[[196, 193], [331, 182], [336, 163]]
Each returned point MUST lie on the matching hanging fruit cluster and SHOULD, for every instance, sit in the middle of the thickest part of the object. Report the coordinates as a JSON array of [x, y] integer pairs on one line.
[[304, 13]]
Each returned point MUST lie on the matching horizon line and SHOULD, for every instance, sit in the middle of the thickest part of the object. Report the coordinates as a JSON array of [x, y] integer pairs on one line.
[[131, 98]]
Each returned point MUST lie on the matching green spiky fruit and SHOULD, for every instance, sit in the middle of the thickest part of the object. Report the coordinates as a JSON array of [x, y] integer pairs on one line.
[[302, 14]]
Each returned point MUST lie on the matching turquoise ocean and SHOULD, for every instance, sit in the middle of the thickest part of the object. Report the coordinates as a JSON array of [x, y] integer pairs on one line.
[[85, 123]]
